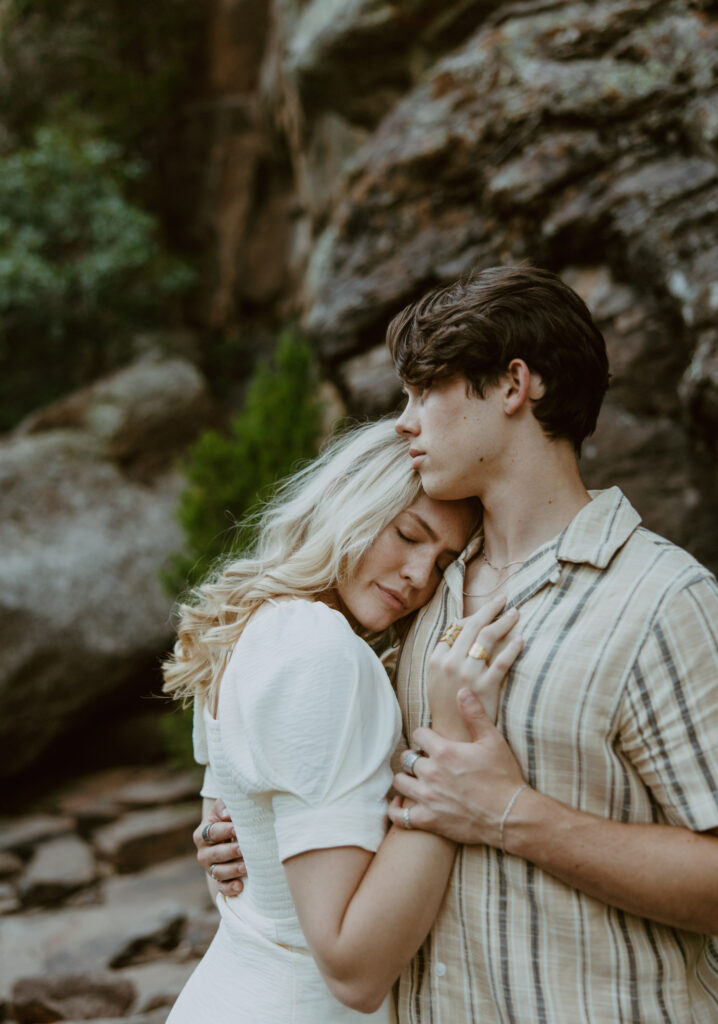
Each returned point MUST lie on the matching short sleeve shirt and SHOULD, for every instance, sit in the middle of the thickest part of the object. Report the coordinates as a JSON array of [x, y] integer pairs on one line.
[[612, 708]]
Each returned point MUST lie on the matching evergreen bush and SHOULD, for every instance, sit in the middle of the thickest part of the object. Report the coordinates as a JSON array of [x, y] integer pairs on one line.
[[230, 474]]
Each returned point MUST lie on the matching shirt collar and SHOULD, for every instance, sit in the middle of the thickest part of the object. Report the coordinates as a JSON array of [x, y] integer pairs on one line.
[[599, 530], [592, 537]]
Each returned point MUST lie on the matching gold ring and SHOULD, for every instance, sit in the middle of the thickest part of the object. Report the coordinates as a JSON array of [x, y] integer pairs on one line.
[[450, 634], [478, 651]]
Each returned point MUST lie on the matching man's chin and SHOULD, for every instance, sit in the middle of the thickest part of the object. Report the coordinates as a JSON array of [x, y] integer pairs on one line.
[[442, 490]]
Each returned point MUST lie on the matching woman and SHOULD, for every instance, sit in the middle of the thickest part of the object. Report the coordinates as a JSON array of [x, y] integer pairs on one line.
[[299, 722]]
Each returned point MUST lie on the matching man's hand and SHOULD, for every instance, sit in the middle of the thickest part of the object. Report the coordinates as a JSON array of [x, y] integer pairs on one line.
[[461, 790], [221, 857]]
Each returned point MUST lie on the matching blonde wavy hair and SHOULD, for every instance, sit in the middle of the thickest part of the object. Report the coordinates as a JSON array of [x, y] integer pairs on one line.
[[311, 537]]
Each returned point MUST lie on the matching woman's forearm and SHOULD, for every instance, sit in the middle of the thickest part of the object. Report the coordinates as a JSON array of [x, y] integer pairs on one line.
[[362, 946]]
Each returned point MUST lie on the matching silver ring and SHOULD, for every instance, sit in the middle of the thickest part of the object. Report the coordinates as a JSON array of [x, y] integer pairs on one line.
[[210, 871], [409, 759], [405, 818], [205, 833]]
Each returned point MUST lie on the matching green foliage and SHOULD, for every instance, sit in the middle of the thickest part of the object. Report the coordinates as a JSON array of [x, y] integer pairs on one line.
[[176, 732], [89, 91], [80, 267], [228, 475]]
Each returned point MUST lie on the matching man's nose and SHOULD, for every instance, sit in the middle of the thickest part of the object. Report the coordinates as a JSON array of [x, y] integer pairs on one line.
[[406, 423]]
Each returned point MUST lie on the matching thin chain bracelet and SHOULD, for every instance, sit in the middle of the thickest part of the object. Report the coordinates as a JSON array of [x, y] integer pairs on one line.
[[509, 808]]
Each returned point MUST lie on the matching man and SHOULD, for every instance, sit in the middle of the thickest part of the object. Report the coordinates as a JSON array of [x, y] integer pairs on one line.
[[585, 889]]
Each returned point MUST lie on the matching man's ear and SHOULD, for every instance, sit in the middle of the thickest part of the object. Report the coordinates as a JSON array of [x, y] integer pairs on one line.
[[521, 386]]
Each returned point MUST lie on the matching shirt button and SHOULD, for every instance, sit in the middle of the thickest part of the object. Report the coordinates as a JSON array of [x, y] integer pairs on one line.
[[555, 576], [440, 969]]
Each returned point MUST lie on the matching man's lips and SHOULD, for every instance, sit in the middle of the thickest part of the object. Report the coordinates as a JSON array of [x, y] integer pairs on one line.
[[393, 597], [416, 457]]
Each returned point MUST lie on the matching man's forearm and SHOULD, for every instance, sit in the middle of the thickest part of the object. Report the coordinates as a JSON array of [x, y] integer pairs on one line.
[[462, 791], [661, 872]]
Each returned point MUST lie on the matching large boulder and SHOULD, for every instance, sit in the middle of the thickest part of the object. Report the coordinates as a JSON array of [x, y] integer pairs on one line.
[[88, 490]]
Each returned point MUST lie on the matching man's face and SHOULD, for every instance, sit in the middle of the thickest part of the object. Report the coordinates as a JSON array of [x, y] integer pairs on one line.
[[454, 438]]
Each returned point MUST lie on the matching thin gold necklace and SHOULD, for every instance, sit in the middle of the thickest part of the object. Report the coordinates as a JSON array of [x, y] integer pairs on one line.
[[487, 593], [496, 568]]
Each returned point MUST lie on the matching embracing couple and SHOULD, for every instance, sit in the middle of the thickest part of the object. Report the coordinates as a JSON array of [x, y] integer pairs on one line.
[[552, 844]]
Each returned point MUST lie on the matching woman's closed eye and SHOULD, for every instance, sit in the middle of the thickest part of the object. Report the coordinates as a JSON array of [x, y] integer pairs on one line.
[[406, 538]]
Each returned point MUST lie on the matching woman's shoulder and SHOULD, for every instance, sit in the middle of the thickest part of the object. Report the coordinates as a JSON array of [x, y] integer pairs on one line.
[[302, 622], [300, 636]]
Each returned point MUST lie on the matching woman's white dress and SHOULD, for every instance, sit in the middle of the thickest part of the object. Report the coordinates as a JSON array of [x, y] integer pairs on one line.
[[299, 752]]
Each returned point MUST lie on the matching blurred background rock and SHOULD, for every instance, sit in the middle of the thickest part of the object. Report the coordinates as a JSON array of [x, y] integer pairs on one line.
[[208, 213], [180, 182]]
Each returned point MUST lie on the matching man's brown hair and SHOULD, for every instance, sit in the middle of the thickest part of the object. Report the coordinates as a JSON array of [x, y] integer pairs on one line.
[[476, 326]]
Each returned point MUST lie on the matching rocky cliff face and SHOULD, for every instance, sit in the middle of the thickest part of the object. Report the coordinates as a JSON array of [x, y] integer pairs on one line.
[[385, 148]]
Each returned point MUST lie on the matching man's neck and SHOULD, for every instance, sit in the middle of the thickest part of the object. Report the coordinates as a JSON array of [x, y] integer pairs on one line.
[[531, 503]]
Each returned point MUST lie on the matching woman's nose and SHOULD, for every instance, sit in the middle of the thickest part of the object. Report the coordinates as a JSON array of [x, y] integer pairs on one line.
[[418, 570]]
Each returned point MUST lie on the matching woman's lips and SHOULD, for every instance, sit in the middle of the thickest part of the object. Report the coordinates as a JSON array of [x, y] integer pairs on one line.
[[392, 598]]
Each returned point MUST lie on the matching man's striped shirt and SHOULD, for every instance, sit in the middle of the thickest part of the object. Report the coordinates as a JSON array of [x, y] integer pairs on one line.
[[612, 708]]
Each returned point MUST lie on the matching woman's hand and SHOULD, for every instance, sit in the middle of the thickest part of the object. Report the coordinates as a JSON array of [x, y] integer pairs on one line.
[[478, 657], [217, 850]]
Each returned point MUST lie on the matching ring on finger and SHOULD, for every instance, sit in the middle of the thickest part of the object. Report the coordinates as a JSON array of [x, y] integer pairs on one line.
[[406, 820], [206, 833], [478, 651], [450, 634], [210, 871], [409, 759]]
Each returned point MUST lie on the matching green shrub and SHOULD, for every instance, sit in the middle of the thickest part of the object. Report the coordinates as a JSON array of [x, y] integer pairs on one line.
[[176, 734], [80, 267], [229, 474]]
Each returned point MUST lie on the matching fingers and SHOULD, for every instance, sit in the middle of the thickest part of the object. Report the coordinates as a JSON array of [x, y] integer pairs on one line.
[[407, 786], [219, 832], [427, 740], [487, 636], [224, 864], [227, 871], [483, 630], [222, 854], [501, 663], [474, 714], [419, 817]]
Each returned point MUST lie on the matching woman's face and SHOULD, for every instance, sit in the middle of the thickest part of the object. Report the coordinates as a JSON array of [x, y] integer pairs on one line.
[[402, 568]]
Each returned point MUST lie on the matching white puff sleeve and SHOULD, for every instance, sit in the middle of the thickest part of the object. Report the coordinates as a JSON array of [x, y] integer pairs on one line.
[[201, 750], [308, 716]]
